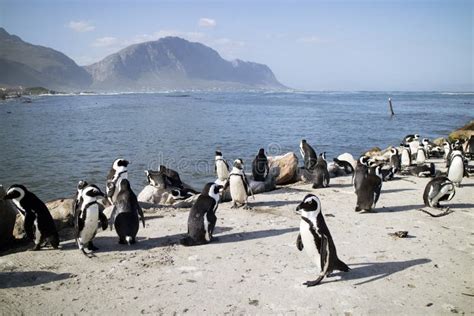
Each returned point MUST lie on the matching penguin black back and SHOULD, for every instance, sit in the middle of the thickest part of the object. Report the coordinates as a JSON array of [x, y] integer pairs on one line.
[[309, 155], [260, 166]]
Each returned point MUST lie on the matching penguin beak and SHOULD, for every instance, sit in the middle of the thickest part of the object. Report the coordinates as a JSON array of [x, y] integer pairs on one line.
[[298, 208]]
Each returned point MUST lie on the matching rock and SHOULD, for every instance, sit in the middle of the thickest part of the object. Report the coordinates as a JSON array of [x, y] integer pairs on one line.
[[61, 210], [8, 215], [19, 230], [188, 203], [156, 196], [375, 151], [464, 132], [285, 166]]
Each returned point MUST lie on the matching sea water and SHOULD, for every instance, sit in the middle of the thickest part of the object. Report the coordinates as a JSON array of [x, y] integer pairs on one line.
[[55, 141]]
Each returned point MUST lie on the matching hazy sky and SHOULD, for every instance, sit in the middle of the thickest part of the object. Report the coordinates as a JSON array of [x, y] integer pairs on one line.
[[311, 45]]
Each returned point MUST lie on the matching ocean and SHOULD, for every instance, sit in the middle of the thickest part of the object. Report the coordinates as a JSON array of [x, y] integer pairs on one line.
[[53, 142]]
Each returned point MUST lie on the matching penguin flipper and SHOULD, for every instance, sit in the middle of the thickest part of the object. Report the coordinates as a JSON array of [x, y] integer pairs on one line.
[[299, 243], [104, 222]]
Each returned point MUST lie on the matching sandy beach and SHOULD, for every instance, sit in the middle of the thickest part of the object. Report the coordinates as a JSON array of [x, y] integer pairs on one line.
[[255, 268]]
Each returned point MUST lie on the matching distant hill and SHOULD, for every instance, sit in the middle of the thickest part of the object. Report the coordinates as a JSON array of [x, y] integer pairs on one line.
[[175, 63], [170, 63], [22, 63]]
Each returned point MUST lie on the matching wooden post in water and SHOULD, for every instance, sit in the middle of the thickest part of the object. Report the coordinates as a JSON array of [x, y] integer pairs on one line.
[[390, 104]]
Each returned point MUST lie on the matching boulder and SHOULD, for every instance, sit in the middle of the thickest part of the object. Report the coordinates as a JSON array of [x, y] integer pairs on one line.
[[156, 196], [8, 215], [285, 166], [62, 213]]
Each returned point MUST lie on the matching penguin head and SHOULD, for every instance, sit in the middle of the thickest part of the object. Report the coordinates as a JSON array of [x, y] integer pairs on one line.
[[417, 136], [323, 155], [261, 152], [218, 154], [213, 190], [81, 185], [303, 141], [120, 165], [239, 163], [15, 192], [92, 192], [394, 151], [364, 160], [310, 203]]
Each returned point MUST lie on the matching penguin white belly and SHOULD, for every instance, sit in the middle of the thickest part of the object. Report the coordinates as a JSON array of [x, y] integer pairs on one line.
[[414, 146], [420, 157], [237, 190], [405, 160], [222, 171], [90, 224], [37, 232], [308, 243], [456, 170]]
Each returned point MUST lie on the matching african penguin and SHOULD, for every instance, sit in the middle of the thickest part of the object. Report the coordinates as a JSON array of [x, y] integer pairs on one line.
[[118, 172], [347, 166], [321, 173], [202, 216], [221, 168], [438, 189], [360, 172], [87, 216], [369, 191], [239, 185], [309, 155], [38, 222], [125, 214], [405, 159], [316, 240], [421, 170], [456, 168], [395, 159], [420, 155], [260, 167], [447, 150]]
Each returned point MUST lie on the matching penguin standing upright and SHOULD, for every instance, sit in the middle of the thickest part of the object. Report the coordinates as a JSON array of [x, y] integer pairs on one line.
[[456, 168], [125, 214], [321, 173], [420, 155], [438, 189], [202, 216], [309, 155], [405, 160], [239, 185], [38, 222], [395, 159], [360, 172], [221, 168], [447, 150], [87, 217], [369, 191], [260, 167], [118, 172], [316, 240]]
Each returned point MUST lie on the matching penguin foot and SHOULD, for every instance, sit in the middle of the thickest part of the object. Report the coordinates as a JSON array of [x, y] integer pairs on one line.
[[214, 238], [91, 247], [122, 242], [246, 207], [234, 205], [36, 247], [315, 282]]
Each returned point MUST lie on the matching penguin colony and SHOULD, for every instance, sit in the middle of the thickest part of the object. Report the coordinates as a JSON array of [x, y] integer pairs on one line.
[[314, 236]]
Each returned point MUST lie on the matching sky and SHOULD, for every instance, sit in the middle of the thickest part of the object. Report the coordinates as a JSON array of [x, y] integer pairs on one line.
[[309, 45]]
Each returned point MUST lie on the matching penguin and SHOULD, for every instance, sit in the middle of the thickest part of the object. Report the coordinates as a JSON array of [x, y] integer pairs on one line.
[[221, 168], [171, 177], [456, 168], [118, 172], [360, 172], [447, 149], [202, 216], [405, 159], [77, 198], [422, 170], [369, 191], [316, 240], [87, 216], [420, 155], [427, 146], [309, 155], [38, 222], [438, 189], [388, 173], [239, 185], [395, 159], [125, 214], [347, 166], [411, 137], [321, 173], [414, 145], [260, 167]]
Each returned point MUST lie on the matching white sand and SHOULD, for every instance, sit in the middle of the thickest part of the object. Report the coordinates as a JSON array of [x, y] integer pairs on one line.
[[255, 267]]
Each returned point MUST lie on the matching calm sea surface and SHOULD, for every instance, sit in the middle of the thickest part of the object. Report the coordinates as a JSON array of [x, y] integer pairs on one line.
[[55, 141]]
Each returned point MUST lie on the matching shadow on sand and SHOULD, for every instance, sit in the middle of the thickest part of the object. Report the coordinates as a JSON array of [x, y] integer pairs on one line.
[[273, 203], [376, 270], [395, 190], [399, 208], [236, 237], [29, 278]]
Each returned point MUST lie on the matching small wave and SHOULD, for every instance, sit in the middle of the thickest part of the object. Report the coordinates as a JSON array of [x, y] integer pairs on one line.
[[457, 93]]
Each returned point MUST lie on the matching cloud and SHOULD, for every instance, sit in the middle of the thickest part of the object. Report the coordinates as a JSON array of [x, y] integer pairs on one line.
[[206, 22], [107, 41], [311, 39], [81, 26]]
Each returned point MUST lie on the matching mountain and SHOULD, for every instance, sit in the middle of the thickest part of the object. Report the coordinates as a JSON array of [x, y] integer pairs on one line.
[[175, 63], [22, 63]]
